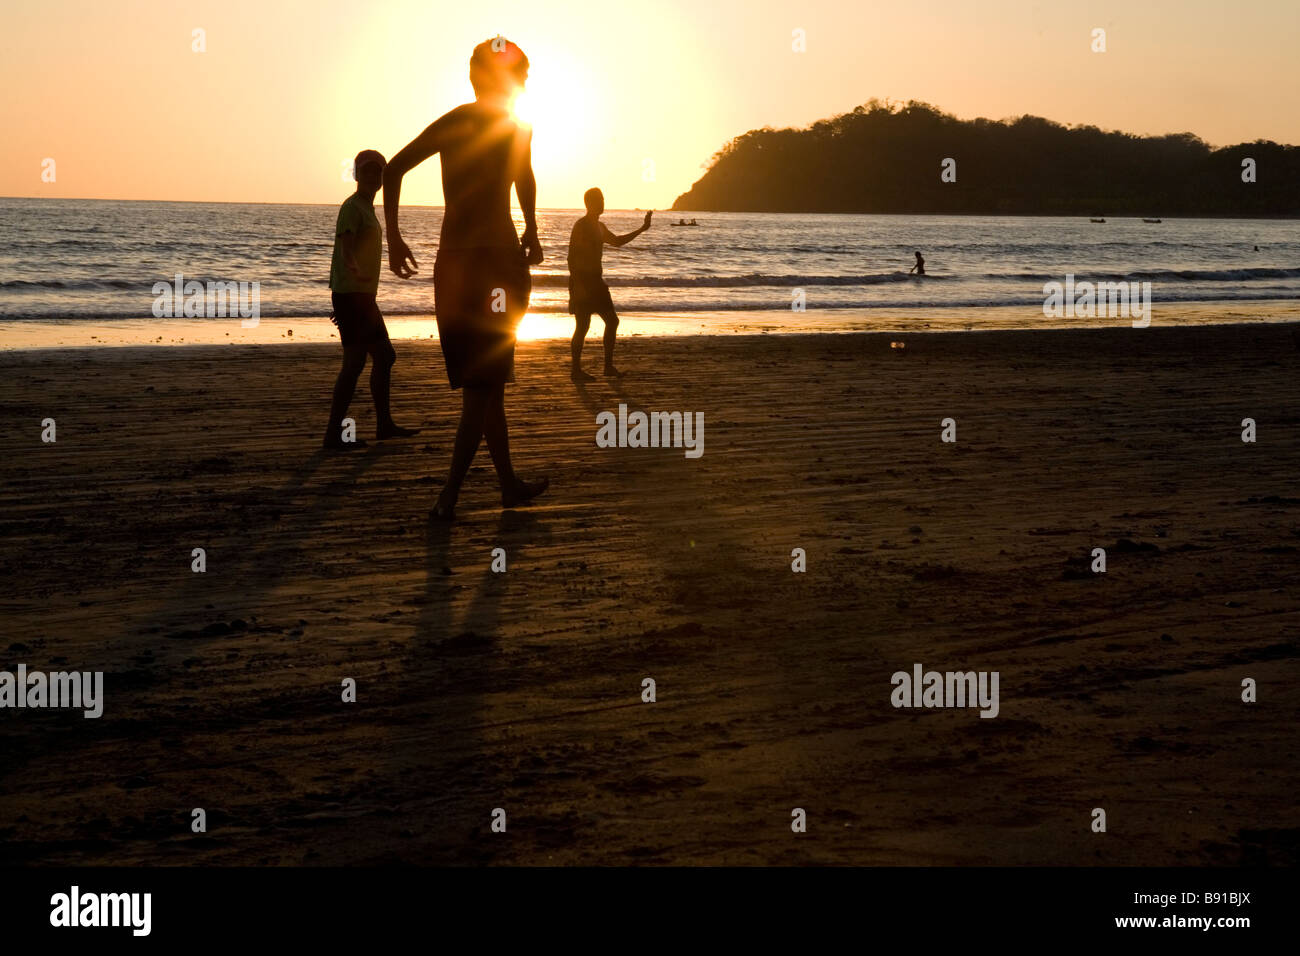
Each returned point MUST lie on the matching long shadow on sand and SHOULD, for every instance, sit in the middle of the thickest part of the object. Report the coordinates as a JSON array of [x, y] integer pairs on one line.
[[448, 762]]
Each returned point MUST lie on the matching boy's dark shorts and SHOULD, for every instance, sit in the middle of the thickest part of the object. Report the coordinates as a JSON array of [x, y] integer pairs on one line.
[[360, 323], [589, 295], [478, 342]]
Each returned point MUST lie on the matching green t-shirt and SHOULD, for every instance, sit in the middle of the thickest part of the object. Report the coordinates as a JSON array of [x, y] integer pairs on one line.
[[357, 217]]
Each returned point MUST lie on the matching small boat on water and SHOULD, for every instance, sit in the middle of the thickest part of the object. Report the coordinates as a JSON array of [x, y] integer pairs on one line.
[[1096, 220], [1151, 220]]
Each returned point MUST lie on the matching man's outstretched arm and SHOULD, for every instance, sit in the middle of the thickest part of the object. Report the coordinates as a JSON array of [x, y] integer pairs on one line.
[[613, 240], [412, 155]]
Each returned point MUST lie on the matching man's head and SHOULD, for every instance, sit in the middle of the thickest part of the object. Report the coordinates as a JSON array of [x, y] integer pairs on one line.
[[497, 68], [368, 168], [595, 200]]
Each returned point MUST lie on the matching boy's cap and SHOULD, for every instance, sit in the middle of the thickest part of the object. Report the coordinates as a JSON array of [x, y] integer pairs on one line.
[[367, 156]]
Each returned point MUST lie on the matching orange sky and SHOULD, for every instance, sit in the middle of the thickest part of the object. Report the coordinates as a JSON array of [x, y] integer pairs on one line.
[[289, 89]]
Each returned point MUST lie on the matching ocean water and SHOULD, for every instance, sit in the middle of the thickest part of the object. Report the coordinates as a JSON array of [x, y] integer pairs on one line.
[[93, 259]]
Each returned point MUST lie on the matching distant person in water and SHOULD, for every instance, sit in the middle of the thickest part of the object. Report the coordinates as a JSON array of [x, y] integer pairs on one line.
[[588, 292], [354, 281], [919, 268], [480, 278]]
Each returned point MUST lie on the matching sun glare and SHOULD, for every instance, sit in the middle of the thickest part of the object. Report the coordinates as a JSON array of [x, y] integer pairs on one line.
[[559, 104], [521, 108]]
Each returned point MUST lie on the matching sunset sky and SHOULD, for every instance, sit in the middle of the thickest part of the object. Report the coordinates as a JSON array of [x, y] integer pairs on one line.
[[287, 90]]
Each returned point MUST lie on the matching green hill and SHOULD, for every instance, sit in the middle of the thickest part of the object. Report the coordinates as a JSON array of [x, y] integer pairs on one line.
[[883, 158]]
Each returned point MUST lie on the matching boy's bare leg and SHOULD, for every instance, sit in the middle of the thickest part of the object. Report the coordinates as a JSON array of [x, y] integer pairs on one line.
[[483, 414], [473, 413], [381, 379], [497, 433], [583, 323], [514, 490], [354, 360], [611, 330]]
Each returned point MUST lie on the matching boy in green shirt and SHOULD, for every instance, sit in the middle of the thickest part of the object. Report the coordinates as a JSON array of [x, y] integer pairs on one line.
[[354, 281]]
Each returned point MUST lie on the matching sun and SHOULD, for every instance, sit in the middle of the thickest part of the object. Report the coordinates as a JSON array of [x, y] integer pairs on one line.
[[521, 108], [559, 102]]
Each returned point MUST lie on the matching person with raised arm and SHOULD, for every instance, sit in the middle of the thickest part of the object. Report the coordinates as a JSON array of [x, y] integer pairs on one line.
[[588, 291]]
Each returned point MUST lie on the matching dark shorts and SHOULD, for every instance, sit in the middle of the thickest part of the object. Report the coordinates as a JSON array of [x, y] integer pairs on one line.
[[589, 295], [479, 297], [360, 323]]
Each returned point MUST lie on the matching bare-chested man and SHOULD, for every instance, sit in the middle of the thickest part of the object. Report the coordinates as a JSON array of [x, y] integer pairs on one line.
[[588, 292], [481, 279]]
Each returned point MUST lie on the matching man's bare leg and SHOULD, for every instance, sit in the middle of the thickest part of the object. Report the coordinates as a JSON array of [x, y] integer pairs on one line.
[[381, 379], [583, 323], [473, 413], [354, 360], [611, 331], [514, 490]]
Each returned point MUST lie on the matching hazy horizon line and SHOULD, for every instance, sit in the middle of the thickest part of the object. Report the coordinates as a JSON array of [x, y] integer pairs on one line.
[[640, 209]]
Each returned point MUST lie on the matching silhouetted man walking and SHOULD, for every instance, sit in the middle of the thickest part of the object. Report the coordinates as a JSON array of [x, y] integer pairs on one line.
[[481, 279]]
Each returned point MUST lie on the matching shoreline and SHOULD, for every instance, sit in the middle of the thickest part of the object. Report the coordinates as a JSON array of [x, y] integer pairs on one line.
[[41, 334], [592, 351]]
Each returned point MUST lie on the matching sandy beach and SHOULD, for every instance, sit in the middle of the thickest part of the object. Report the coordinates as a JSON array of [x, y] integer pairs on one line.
[[522, 690]]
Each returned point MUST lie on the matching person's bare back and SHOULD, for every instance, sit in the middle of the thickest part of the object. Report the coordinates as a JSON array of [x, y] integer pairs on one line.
[[587, 246], [481, 279], [483, 152]]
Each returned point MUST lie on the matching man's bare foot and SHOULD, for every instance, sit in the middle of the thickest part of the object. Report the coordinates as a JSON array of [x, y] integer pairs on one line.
[[611, 372], [578, 375], [523, 492], [392, 430]]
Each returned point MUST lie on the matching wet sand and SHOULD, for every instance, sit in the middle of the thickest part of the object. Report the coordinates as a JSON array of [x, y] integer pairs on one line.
[[23, 334], [522, 690]]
